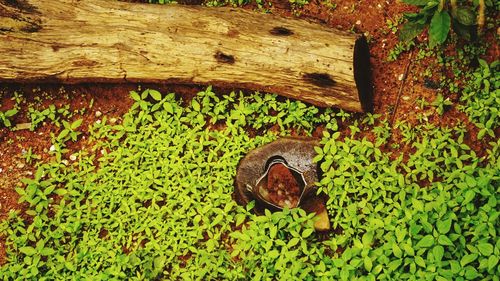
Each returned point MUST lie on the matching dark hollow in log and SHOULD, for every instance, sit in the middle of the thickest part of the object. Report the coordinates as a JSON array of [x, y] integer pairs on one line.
[[70, 41]]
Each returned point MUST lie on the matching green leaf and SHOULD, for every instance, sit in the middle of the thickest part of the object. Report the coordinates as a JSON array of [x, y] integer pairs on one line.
[[29, 251], [168, 107], [420, 261], [485, 249], [465, 16], [455, 267], [273, 254], [159, 262], [410, 30], [10, 112], [438, 252], [416, 2], [155, 95], [396, 250], [368, 263], [444, 226], [47, 252], [195, 105], [70, 266], [76, 124], [395, 264], [273, 230], [444, 240], [439, 28], [306, 233], [135, 96], [367, 239], [425, 242], [468, 197], [468, 259], [408, 249], [293, 242], [492, 262], [471, 273]]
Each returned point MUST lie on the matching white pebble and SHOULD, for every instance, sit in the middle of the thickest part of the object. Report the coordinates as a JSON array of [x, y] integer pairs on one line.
[[52, 148], [72, 157], [98, 113], [405, 98], [98, 121], [112, 120], [358, 22], [1, 170], [400, 77], [65, 162]]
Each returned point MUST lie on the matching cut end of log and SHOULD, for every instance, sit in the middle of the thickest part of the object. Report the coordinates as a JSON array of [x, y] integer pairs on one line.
[[362, 73]]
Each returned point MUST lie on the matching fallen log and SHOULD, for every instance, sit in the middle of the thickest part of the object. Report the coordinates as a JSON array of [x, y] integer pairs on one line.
[[69, 41]]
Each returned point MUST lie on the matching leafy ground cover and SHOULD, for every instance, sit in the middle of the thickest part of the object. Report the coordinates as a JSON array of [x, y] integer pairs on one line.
[[151, 197], [115, 185]]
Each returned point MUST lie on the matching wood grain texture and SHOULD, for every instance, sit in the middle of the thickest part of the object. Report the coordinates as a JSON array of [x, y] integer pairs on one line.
[[108, 41]]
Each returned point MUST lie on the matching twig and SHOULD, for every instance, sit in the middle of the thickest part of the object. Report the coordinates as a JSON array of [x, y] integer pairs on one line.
[[405, 75]]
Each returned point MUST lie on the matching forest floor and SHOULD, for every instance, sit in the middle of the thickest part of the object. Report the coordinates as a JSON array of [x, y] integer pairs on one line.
[[399, 84]]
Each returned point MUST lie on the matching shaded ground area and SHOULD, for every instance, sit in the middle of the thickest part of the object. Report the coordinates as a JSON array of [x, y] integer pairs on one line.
[[376, 19]]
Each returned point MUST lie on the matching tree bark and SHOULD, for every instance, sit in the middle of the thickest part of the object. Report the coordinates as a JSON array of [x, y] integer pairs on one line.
[[71, 41]]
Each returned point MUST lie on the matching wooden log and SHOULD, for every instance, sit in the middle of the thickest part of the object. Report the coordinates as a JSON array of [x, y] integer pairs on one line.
[[69, 41]]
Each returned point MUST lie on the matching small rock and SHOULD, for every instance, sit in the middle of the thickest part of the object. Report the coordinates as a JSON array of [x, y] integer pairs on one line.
[[65, 162], [358, 22], [52, 148], [112, 120], [401, 76], [20, 165], [1, 170], [98, 113], [29, 173], [98, 121], [72, 157], [405, 98]]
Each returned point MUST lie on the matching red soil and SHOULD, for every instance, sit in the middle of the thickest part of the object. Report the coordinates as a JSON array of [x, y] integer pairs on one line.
[[282, 187]]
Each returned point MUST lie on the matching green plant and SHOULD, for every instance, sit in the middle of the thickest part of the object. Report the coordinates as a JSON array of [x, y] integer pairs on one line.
[[151, 198], [481, 96], [52, 113], [69, 131], [29, 156], [392, 227], [441, 104], [441, 16], [398, 49], [329, 4], [392, 24], [298, 3], [6, 115]]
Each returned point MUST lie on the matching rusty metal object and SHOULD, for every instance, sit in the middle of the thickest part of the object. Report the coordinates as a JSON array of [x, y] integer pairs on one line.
[[298, 153]]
